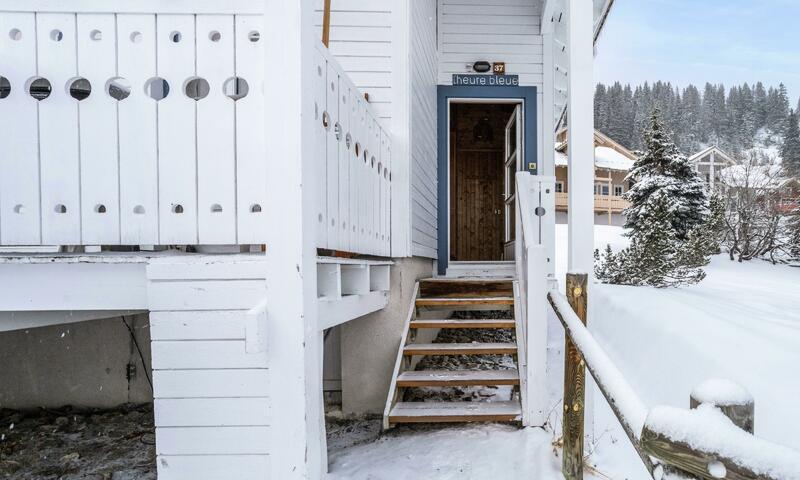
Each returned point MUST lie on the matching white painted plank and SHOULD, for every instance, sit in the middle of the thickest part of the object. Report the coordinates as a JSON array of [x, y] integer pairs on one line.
[[332, 155], [99, 185], [211, 383], [204, 354], [335, 312], [212, 441], [227, 325], [58, 131], [216, 163], [212, 467], [345, 162], [212, 412], [205, 295], [208, 267], [320, 148], [19, 135], [81, 286], [177, 161], [138, 131], [251, 170], [352, 161]]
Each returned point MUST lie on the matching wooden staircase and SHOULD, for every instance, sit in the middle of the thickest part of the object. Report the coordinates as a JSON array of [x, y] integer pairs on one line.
[[447, 295]]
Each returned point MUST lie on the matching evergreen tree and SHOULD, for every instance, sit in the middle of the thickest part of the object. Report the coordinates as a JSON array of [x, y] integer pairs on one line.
[[760, 98], [692, 108], [656, 256], [662, 172], [790, 151], [600, 108]]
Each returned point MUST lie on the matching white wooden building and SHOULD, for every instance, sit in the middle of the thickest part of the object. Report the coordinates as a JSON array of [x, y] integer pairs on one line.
[[710, 162], [208, 162]]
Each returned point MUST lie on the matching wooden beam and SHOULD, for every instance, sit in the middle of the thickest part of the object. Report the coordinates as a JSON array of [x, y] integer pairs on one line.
[[326, 23], [335, 311], [574, 384]]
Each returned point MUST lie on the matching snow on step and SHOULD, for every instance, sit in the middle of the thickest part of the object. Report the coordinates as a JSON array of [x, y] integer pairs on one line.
[[472, 323], [430, 412], [460, 349], [459, 302], [446, 378]]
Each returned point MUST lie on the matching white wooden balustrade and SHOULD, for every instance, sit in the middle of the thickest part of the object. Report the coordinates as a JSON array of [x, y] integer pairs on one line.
[[142, 124], [534, 256]]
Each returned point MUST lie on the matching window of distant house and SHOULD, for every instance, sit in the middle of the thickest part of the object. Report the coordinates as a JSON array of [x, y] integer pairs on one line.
[[618, 190], [559, 187], [601, 189]]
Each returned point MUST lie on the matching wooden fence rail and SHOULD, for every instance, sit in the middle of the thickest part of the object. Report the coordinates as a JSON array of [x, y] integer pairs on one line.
[[711, 441]]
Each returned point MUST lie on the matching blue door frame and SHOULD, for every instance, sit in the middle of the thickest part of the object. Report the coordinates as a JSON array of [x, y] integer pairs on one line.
[[527, 95]]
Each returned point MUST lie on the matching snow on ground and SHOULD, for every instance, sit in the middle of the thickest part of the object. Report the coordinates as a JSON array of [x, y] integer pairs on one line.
[[741, 323]]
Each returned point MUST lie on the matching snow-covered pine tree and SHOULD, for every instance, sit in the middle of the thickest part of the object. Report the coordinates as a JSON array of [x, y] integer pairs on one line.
[[790, 151], [661, 171], [655, 256]]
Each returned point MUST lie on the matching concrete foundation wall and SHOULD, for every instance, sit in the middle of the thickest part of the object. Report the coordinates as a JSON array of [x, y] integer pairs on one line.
[[80, 364], [369, 344]]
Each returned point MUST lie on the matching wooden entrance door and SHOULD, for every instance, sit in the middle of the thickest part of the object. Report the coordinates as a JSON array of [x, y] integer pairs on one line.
[[478, 216]]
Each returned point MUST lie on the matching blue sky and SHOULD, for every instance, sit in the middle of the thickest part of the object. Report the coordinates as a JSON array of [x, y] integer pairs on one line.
[[695, 41]]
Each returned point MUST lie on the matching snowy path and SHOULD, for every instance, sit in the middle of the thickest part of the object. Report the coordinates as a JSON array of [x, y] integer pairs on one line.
[[463, 453]]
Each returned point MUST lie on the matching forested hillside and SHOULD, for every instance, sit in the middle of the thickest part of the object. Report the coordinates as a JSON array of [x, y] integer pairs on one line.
[[736, 119]]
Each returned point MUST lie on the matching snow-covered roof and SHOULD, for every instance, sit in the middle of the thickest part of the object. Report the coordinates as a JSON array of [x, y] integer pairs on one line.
[[604, 157], [707, 151], [755, 176]]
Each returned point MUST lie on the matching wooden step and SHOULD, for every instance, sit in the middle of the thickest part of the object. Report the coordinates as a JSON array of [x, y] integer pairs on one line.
[[441, 412], [464, 302], [465, 288], [460, 349], [457, 378], [471, 323]]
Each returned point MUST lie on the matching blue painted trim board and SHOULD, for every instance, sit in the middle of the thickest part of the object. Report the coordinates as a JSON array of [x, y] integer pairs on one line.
[[446, 93]]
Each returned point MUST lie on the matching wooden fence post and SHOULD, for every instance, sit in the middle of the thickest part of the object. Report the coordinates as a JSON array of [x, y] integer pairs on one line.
[[733, 399], [574, 384]]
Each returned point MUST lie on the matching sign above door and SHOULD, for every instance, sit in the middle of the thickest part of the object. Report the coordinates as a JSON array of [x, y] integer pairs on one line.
[[472, 80]]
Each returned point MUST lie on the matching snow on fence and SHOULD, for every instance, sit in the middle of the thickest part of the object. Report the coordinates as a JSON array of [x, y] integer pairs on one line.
[[143, 124], [710, 441]]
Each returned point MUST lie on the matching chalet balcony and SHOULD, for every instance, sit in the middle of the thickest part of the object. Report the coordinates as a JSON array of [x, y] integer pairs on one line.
[[602, 203], [149, 129]]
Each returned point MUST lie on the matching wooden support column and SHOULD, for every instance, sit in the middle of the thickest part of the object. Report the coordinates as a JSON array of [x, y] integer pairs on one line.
[[294, 341], [580, 117], [574, 384]]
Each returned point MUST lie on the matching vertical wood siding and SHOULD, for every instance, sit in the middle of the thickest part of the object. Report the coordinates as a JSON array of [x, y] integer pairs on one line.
[[423, 136]]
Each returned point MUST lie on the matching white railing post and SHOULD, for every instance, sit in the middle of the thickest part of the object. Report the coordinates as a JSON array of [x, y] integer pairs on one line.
[[536, 331], [295, 343], [535, 202]]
